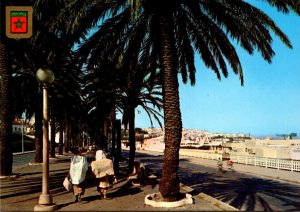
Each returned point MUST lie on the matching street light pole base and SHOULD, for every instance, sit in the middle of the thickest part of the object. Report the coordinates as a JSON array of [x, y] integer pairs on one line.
[[45, 199], [50, 207]]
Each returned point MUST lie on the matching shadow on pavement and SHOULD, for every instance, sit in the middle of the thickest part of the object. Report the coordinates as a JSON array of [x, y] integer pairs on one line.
[[31, 183], [250, 194], [60, 206], [244, 193]]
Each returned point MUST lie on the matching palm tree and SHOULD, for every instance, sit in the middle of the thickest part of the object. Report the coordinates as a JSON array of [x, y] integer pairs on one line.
[[29, 54], [137, 90], [98, 85], [5, 113], [169, 34], [108, 85], [29, 63], [26, 92], [6, 156], [66, 96]]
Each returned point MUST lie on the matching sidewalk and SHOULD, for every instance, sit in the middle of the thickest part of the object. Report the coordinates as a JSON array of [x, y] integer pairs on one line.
[[22, 193]]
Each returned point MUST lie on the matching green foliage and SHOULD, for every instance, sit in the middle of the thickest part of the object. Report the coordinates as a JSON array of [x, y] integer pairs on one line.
[[17, 143]]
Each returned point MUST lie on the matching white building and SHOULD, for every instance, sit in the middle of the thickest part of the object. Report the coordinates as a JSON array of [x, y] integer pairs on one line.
[[282, 149], [17, 126]]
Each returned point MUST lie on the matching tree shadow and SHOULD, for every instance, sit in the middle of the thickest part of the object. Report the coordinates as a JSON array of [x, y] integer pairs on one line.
[[241, 192], [250, 194], [30, 183]]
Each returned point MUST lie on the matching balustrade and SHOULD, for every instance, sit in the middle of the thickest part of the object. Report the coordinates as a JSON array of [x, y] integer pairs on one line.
[[291, 165]]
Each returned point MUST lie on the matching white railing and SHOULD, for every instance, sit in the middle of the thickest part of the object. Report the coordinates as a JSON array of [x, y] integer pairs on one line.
[[290, 165]]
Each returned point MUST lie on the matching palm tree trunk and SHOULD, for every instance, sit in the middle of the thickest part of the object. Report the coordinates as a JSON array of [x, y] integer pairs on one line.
[[70, 137], [103, 137], [169, 184], [118, 153], [131, 139], [67, 142], [61, 138], [52, 144], [113, 132], [6, 157], [106, 132]]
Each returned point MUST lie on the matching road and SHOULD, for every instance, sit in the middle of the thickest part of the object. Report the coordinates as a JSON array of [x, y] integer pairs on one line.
[[23, 159], [239, 189]]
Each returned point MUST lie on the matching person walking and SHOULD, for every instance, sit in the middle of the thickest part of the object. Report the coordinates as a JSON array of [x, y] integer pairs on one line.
[[220, 164], [103, 170], [230, 164], [77, 173]]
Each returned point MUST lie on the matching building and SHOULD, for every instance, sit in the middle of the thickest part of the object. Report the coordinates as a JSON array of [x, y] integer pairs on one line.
[[281, 149], [18, 124]]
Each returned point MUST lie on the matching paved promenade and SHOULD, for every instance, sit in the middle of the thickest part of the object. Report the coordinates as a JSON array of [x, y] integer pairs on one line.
[[22, 192], [245, 187], [285, 175]]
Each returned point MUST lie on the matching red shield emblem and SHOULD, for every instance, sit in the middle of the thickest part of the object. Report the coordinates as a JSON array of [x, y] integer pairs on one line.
[[18, 21]]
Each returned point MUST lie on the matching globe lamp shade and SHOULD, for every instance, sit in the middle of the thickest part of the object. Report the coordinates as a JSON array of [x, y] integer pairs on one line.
[[45, 75]]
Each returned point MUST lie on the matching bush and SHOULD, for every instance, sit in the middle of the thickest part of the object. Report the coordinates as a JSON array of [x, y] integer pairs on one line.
[[16, 143]]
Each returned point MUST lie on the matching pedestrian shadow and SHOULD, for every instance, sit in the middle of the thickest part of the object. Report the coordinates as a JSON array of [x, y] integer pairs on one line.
[[125, 189], [90, 198], [60, 206]]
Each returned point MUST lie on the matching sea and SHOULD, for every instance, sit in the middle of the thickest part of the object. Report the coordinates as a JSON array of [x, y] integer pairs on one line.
[[273, 136]]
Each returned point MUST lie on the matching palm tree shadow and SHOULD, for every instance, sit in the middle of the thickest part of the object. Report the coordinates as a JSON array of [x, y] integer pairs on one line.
[[249, 193], [28, 185]]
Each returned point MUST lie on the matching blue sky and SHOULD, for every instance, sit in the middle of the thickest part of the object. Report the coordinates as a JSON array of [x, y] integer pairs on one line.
[[269, 101]]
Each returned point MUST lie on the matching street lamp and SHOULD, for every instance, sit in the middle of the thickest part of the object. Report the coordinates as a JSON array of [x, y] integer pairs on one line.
[[46, 77]]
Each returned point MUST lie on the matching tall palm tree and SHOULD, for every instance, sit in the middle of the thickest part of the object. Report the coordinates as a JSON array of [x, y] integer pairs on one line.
[[5, 113], [98, 85], [66, 95], [6, 156], [137, 90], [30, 54], [26, 90], [9, 46], [169, 33], [110, 84]]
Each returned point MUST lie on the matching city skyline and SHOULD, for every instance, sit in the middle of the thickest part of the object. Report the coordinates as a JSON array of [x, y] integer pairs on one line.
[[267, 104]]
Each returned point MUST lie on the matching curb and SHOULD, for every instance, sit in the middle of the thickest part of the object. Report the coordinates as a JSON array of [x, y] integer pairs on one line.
[[150, 200], [224, 206], [217, 203], [9, 176]]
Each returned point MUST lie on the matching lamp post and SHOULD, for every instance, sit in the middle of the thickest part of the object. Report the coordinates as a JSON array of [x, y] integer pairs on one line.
[[46, 77]]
